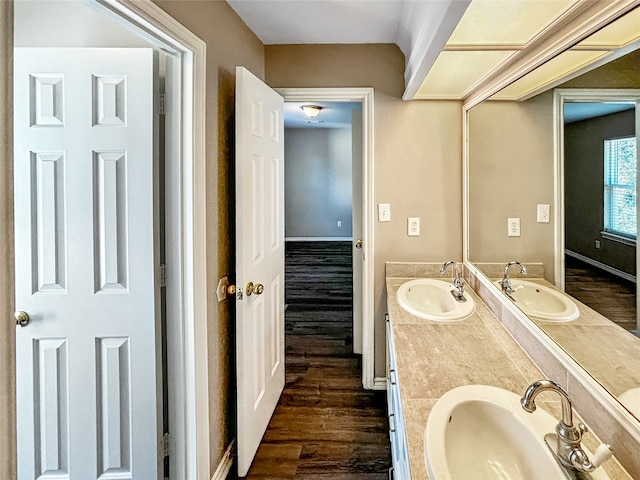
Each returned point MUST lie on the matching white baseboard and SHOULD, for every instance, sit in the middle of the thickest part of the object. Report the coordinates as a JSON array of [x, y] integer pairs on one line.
[[602, 266], [379, 383], [224, 467], [318, 239]]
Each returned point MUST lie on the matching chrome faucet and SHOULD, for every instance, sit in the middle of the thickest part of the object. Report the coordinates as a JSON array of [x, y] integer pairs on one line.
[[565, 443], [458, 291], [506, 281]]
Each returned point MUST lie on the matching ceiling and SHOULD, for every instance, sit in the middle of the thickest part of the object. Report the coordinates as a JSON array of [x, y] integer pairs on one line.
[[575, 112], [321, 21], [332, 115], [476, 39]]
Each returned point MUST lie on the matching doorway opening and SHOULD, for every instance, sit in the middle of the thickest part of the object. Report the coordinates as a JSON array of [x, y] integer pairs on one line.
[[362, 201], [323, 276], [597, 200], [323, 217]]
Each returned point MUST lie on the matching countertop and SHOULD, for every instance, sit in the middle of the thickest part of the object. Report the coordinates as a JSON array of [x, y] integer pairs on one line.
[[434, 357]]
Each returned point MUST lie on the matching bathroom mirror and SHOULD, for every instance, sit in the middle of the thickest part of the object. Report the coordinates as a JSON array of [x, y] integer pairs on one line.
[[520, 157]]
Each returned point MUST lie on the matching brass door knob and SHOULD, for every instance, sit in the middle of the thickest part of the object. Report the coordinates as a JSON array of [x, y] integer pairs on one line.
[[359, 244], [258, 288], [22, 318]]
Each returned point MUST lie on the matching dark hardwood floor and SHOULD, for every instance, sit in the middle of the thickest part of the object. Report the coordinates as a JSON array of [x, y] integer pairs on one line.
[[326, 426], [607, 294]]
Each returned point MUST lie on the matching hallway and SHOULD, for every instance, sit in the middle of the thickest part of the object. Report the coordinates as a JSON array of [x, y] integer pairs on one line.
[[325, 425]]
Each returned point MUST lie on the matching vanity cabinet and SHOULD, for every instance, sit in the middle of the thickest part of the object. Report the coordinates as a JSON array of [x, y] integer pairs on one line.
[[397, 435]]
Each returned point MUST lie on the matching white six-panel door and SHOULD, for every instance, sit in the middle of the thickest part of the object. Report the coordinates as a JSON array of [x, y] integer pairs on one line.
[[87, 382], [259, 259]]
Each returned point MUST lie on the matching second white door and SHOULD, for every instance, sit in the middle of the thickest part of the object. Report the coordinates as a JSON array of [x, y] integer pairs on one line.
[[259, 260], [86, 259]]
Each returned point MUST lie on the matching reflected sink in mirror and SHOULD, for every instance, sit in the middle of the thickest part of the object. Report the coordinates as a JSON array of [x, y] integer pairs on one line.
[[482, 432], [431, 299], [631, 400], [541, 302]]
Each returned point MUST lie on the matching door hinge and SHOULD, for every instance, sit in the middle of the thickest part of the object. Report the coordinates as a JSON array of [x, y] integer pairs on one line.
[[165, 441], [163, 275], [163, 110]]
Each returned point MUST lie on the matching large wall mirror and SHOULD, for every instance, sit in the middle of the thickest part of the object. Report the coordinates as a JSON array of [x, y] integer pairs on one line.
[[572, 147]]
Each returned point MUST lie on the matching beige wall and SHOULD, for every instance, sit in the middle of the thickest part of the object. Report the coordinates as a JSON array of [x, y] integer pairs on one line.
[[511, 168], [7, 326], [229, 43], [510, 173], [417, 153], [317, 175]]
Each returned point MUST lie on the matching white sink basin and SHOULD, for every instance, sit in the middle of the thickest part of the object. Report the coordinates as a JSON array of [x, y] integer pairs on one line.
[[481, 432], [431, 299], [541, 302], [631, 400]]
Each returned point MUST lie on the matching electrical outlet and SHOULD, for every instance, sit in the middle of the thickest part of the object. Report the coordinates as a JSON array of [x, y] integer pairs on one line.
[[597, 243], [384, 212], [543, 213], [339, 223], [413, 226], [513, 227]]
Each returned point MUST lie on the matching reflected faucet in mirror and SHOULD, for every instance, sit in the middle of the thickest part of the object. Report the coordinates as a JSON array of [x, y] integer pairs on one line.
[[458, 292], [506, 281]]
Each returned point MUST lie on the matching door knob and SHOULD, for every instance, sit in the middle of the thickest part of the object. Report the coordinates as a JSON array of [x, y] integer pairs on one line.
[[258, 288], [22, 318], [359, 244]]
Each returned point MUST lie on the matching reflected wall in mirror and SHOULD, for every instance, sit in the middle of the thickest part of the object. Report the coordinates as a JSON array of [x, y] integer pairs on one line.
[[513, 147]]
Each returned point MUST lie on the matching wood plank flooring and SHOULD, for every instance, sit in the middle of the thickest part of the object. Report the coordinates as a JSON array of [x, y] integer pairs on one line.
[[607, 294], [326, 426]]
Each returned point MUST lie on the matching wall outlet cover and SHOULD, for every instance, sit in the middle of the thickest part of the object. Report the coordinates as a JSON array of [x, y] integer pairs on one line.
[[413, 226], [513, 225]]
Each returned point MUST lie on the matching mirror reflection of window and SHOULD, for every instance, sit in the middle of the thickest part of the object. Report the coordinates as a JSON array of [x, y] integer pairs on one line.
[[620, 170]]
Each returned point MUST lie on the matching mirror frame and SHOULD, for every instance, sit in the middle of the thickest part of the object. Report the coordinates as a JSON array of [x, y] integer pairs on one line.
[[598, 392]]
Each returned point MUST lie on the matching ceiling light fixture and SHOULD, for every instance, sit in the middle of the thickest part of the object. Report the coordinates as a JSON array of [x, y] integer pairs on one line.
[[311, 110]]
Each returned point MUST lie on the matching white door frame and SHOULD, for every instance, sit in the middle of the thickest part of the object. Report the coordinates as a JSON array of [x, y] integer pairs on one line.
[[364, 96], [185, 235], [560, 97]]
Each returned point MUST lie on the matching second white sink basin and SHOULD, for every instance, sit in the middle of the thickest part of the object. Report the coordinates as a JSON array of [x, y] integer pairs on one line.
[[541, 302], [481, 432], [631, 400], [431, 299]]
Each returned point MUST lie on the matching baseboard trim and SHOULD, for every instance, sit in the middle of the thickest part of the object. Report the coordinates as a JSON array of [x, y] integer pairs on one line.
[[602, 266], [318, 239], [224, 467], [379, 383]]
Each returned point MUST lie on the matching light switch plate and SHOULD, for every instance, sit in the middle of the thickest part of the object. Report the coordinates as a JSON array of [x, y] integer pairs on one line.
[[543, 213], [513, 227], [413, 226], [384, 212]]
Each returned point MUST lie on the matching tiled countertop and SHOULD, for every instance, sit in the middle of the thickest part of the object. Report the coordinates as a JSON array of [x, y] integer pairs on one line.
[[434, 357], [582, 339]]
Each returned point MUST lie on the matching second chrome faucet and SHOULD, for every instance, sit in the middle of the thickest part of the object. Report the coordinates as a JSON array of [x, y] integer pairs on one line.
[[458, 291], [566, 442], [506, 281]]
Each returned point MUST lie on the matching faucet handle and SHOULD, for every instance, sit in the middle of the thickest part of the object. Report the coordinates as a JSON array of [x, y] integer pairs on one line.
[[603, 453], [581, 461]]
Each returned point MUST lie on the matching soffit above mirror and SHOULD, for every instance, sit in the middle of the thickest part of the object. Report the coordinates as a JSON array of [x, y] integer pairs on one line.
[[495, 36]]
